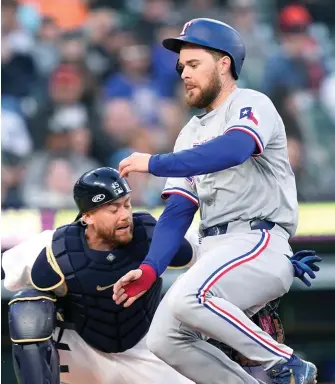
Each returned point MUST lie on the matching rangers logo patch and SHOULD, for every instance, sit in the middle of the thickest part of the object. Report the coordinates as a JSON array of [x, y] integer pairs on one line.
[[249, 114]]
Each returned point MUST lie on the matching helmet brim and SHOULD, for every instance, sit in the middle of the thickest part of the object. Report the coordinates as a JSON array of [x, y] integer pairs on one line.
[[173, 44]]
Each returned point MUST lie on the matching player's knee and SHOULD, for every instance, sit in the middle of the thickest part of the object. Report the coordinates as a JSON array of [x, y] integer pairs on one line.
[[31, 316], [155, 343], [158, 344], [31, 324], [182, 306]]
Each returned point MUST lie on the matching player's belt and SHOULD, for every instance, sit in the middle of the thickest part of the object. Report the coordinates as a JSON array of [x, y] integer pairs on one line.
[[221, 229]]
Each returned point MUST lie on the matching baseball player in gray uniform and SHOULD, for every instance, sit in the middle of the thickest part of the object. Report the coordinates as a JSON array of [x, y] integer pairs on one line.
[[232, 163]]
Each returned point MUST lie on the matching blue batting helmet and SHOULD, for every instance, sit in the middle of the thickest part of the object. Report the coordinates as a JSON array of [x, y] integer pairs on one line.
[[212, 34]]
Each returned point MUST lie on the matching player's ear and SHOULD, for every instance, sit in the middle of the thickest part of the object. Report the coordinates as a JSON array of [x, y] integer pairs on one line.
[[87, 218], [225, 64]]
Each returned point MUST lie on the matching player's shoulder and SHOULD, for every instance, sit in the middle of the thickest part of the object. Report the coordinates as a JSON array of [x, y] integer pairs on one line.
[[249, 99], [187, 129], [41, 239], [71, 229], [251, 96], [144, 217], [47, 234], [144, 225]]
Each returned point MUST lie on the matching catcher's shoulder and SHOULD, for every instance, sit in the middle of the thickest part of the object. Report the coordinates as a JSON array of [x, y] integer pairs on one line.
[[144, 217]]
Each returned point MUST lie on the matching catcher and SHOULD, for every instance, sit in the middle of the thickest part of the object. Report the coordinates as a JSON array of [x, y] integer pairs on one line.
[[68, 274]]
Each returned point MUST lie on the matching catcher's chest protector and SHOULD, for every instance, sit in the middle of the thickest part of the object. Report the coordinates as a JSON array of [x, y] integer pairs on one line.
[[89, 276]]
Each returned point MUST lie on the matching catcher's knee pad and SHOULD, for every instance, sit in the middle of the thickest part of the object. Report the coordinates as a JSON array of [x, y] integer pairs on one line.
[[32, 319]]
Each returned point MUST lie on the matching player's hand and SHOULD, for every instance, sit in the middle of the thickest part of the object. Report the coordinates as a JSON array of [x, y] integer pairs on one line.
[[133, 285], [120, 293], [136, 162], [304, 262]]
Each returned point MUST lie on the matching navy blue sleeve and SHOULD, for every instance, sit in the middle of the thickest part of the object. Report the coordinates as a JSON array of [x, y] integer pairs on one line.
[[169, 232], [223, 152]]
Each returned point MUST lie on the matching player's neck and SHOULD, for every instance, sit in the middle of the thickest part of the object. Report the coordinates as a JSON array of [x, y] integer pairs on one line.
[[227, 88], [96, 242]]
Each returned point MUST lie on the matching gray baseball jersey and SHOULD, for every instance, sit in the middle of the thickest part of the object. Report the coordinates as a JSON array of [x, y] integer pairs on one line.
[[262, 187]]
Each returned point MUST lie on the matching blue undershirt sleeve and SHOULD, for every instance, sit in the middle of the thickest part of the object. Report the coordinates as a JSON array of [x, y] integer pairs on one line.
[[169, 232], [223, 152]]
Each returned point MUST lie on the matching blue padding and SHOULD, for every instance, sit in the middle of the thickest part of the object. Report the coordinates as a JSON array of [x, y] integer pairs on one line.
[[42, 274]]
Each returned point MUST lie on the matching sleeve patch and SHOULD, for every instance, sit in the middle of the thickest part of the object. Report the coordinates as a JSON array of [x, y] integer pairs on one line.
[[250, 114]]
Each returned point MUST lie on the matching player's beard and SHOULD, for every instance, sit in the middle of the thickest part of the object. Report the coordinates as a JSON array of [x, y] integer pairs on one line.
[[114, 238], [207, 95]]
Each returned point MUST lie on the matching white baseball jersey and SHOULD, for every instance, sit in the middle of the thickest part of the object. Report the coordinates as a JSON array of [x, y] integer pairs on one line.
[[263, 187]]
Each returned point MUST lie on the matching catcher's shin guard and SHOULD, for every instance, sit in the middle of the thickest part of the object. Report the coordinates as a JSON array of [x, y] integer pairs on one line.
[[32, 319]]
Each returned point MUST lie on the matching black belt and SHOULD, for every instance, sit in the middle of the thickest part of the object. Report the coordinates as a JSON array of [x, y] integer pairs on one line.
[[221, 229]]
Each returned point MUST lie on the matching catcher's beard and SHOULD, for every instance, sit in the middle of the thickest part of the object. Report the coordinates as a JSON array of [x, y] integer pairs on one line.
[[113, 239], [208, 94]]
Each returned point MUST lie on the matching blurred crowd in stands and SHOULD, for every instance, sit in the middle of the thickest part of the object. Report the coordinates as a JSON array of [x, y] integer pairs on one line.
[[87, 82]]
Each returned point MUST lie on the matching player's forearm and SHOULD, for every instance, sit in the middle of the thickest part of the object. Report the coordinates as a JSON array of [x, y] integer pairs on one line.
[[169, 233], [223, 152]]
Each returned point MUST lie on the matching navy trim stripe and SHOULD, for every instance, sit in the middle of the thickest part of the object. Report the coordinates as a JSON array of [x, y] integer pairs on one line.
[[246, 333], [232, 261]]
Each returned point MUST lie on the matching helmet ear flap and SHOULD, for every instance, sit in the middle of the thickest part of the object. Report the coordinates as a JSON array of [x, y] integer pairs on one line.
[[179, 68]]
